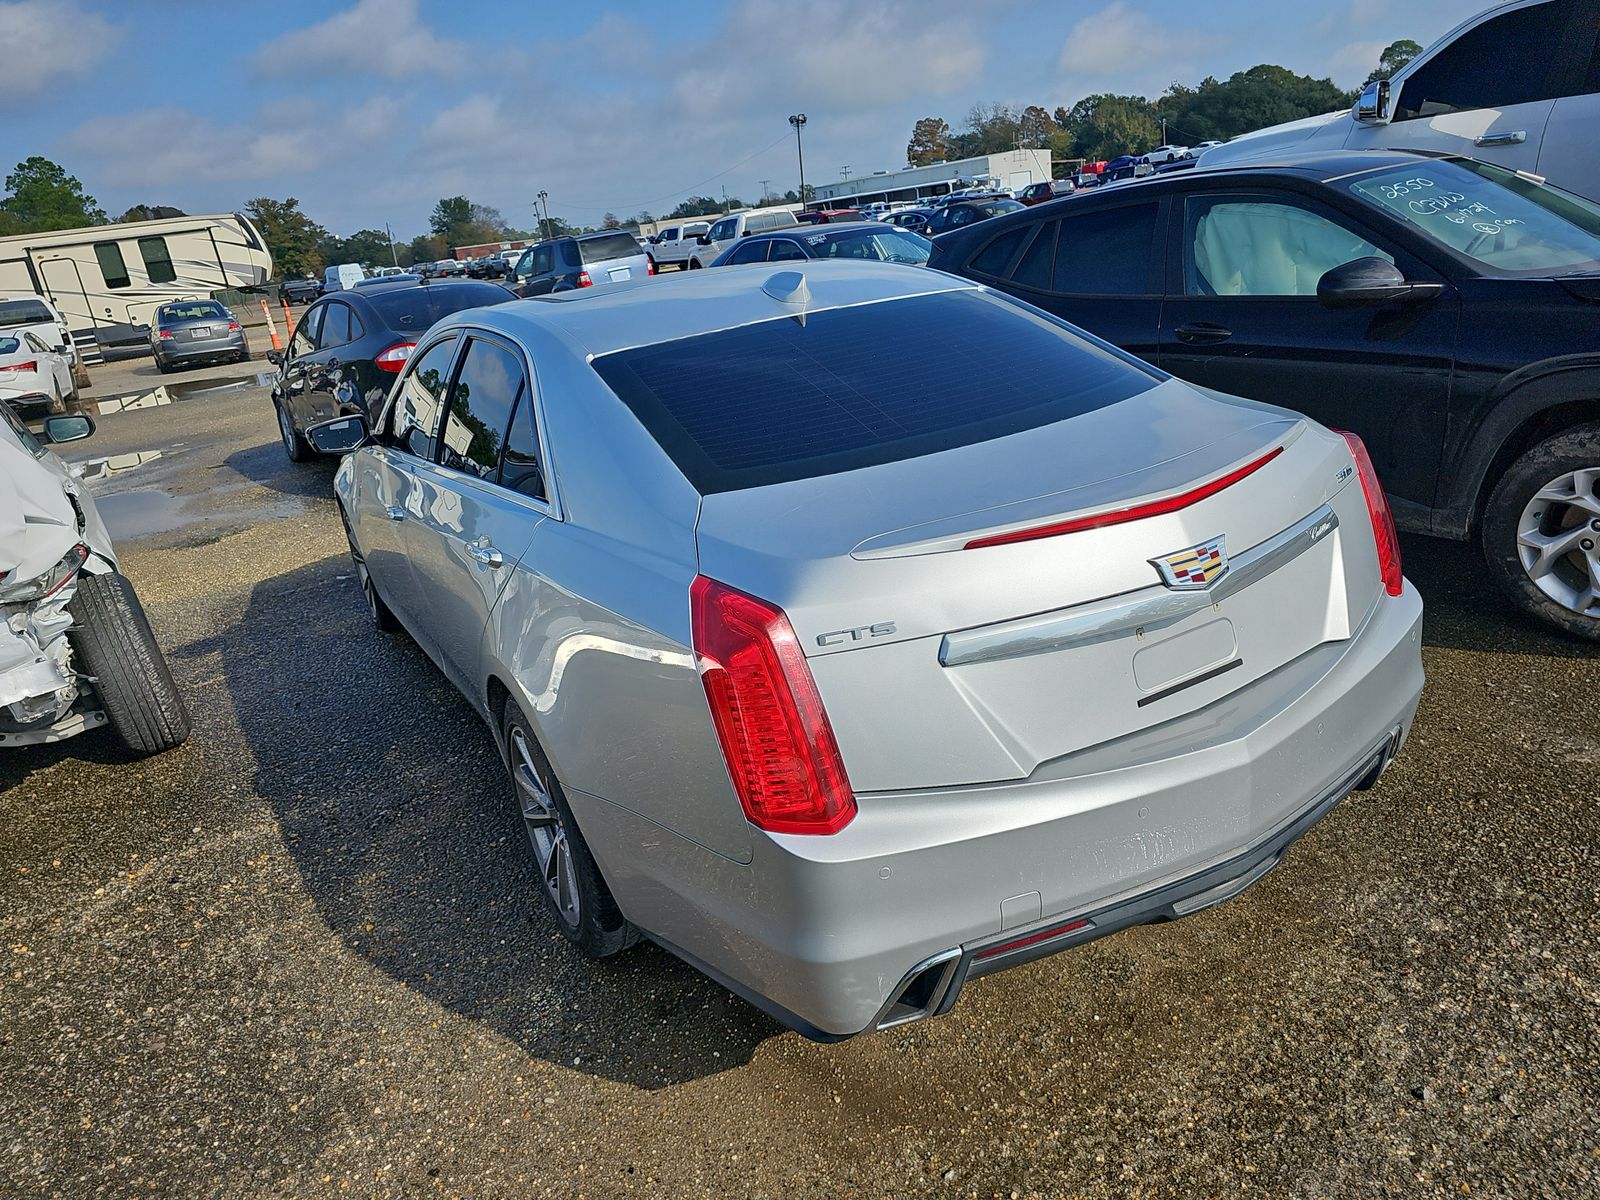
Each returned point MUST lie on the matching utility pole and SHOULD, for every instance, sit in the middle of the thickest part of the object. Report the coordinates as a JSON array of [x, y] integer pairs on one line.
[[798, 120], [766, 188], [393, 253], [544, 199], [1163, 131]]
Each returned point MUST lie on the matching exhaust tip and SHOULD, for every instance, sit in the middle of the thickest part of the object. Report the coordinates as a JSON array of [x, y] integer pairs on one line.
[[924, 991]]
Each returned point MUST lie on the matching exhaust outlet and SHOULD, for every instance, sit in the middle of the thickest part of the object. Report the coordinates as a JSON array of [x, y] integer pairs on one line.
[[925, 990]]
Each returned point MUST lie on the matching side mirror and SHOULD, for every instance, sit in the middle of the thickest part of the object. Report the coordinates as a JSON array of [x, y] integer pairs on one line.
[[338, 436], [72, 428], [1372, 106], [275, 357], [704, 239], [1371, 281]]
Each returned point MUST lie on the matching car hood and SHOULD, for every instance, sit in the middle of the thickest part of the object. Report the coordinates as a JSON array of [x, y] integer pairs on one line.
[[1271, 140], [38, 522]]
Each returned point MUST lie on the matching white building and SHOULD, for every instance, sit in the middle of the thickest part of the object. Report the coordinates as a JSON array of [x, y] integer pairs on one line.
[[1015, 169]]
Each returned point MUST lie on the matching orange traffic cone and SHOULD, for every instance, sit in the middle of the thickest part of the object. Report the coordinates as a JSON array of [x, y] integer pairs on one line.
[[271, 328]]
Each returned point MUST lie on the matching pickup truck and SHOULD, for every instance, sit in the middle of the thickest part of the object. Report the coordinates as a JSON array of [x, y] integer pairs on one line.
[[675, 243]]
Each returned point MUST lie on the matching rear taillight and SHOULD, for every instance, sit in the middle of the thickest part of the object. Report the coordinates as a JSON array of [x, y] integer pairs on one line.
[[1138, 512], [233, 326], [394, 357], [775, 736], [31, 365], [166, 335], [584, 280], [1383, 531]]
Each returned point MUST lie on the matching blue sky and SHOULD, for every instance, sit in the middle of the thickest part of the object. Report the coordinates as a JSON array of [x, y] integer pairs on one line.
[[369, 110]]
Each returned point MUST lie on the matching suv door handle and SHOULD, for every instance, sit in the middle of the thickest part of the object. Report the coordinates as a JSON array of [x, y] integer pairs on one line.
[[1202, 333], [487, 555], [395, 513], [1512, 137]]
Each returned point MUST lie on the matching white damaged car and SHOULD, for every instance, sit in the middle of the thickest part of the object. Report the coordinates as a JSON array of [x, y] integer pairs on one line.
[[76, 651]]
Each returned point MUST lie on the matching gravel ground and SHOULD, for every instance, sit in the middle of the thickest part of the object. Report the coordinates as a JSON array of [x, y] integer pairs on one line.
[[304, 954]]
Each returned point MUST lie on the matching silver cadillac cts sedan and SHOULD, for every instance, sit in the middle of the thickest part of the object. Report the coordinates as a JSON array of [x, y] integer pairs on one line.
[[854, 631]]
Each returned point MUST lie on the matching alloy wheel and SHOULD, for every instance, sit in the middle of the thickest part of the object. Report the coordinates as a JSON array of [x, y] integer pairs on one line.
[[286, 431], [546, 831], [1558, 540]]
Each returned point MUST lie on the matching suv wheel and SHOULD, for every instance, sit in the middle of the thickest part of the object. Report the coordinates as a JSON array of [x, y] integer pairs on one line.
[[1541, 531], [569, 880]]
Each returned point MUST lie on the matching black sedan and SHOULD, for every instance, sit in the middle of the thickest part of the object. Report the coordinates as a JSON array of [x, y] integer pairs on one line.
[[968, 212], [301, 291], [348, 348], [869, 240], [1443, 309]]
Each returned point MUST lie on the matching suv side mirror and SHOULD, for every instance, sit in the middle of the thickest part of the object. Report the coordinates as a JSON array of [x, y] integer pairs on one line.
[[704, 239], [1371, 281], [1372, 107], [338, 436]]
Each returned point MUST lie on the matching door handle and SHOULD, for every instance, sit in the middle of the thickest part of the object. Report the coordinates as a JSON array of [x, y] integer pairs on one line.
[[1512, 137], [395, 513], [1202, 333], [487, 555]]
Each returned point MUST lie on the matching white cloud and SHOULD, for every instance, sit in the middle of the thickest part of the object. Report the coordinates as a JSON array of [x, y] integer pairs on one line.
[[1123, 43], [1355, 61], [380, 37], [47, 40]]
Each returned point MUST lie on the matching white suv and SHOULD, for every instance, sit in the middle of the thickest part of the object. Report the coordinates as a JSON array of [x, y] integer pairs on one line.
[[734, 226], [1517, 85]]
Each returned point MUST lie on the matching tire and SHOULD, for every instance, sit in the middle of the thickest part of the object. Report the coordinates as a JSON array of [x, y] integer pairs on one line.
[[1541, 531], [112, 640], [694, 264], [570, 881], [383, 618], [164, 368], [294, 443]]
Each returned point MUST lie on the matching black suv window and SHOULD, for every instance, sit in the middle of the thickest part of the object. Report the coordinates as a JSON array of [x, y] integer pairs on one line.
[[1106, 253], [486, 390], [1513, 59], [416, 406]]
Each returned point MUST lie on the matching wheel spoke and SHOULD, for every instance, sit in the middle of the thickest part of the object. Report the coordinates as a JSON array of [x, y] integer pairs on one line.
[[1550, 548]]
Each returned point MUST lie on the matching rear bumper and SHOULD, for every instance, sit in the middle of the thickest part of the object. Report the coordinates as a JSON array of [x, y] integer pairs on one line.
[[888, 920], [210, 348]]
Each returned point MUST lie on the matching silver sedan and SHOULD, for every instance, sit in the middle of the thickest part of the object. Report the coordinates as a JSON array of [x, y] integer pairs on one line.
[[851, 673]]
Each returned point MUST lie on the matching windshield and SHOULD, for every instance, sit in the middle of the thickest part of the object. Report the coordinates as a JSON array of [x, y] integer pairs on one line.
[[614, 245], [1505, 222], [23, 312], [199, 310], [890, 245], [416, 308], [9, 345]]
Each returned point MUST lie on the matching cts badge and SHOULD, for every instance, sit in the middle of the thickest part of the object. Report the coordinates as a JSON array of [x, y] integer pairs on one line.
[[1196, 567]]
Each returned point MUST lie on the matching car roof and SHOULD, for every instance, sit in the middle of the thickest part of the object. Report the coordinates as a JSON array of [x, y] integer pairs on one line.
[[1320, 166], [688, 303]]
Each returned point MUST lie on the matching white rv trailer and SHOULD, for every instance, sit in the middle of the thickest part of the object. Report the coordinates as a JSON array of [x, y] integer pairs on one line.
[[107, 280]]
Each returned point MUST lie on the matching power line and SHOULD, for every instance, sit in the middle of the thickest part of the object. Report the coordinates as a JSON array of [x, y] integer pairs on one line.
[[677, 191]]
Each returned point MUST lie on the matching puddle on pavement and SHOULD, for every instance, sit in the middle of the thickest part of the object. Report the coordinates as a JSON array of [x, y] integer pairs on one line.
[[146, 512], [173, 393]]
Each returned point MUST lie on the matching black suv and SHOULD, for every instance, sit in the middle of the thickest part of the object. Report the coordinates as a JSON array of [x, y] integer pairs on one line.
[[1443, 309]]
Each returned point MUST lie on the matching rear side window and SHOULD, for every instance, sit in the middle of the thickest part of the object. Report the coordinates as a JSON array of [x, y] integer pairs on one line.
[[1106, 253], [1033, 271], [994, 258], [779, 401], [615, 245], [487, 387], [335, 327], [157, 259], [1515, 58], [115, 271]]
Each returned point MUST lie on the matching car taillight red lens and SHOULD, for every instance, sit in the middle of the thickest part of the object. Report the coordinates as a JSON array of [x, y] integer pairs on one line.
[[233, 326], [1138, 512], [775, 735], [394, 357], [1383, 531], [31, 365], [584, 280], [166, 334]]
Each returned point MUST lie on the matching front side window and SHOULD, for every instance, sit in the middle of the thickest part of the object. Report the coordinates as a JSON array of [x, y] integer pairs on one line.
[[417, 403], [157, 259], [1256, 246], [722, 230], [29, 443], [783, 250], [1515, 58], [748, 252], [1106, 253], [486, 390], [1504, 221], [112, 268]]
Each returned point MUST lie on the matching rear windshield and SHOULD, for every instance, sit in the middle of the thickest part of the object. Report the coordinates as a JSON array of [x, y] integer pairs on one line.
[[612, 245], [419, 307], [23, 312], [859, 386], [194, 310], [9, 345]]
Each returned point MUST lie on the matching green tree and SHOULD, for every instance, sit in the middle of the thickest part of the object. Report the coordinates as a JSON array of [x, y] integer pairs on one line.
[[150, 212], [448, 215], [991, 128], [367, 246], [1395, 55], [695, 206], [1105, 125], [42, 196], [611, 221], [1264, 95], [427, 248], [1034, 126], [294, 239], [930, 142]]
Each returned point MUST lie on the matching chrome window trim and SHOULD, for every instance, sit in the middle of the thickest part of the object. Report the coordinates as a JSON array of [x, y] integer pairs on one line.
[[1152, 607]]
